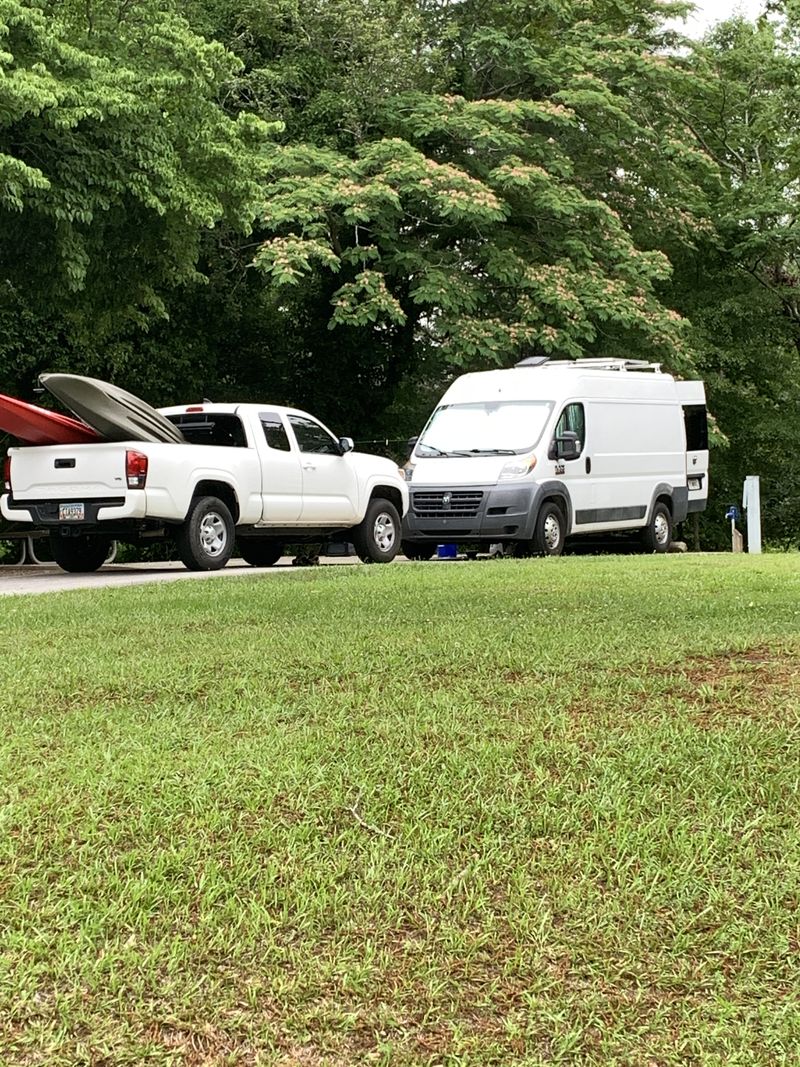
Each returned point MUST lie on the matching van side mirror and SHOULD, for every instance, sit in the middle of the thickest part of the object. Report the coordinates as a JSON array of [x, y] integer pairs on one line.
[[411, 444], [568, 445], [346, 445]]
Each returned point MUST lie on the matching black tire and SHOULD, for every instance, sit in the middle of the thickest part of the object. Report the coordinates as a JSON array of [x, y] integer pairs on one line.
[[549, 531], [79, 555], [377, 538], [417, 549], [260, 551], [205, 540], [657, 535]]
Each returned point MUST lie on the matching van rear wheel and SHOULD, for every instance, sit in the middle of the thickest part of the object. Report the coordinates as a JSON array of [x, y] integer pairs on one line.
[[658, 532]]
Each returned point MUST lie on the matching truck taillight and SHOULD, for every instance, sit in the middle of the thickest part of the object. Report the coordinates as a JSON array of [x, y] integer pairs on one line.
[[7, 473], [136, 469]]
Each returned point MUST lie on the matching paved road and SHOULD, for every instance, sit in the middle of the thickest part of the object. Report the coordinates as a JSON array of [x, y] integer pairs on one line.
[[50, 579]]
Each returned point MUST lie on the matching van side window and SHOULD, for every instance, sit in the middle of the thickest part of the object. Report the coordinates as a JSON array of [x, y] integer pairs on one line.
[[696, 422], [572, 418], [275, 431]]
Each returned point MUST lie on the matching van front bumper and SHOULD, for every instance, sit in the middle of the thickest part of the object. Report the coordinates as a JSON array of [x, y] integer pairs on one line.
[[470, 512]]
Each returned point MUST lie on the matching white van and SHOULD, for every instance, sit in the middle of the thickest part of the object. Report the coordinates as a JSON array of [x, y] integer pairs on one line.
[[551, 449]]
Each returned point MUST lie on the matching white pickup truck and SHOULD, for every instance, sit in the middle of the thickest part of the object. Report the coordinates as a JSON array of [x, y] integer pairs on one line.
[[256, 474]]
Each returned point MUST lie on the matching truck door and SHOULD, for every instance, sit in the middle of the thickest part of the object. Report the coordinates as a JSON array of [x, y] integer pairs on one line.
[[575, 473], [281, 476], [330, 486]]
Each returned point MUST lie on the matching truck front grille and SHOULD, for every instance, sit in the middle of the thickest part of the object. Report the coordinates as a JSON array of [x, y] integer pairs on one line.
[[446, 504]]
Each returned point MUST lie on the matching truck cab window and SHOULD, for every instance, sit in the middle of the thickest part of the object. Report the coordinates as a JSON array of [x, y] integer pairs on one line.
[[572, 418], [211, 428], [312, 437], [275, 431]]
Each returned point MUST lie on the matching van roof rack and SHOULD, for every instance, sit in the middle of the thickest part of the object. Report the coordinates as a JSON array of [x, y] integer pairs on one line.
[[607, 364]]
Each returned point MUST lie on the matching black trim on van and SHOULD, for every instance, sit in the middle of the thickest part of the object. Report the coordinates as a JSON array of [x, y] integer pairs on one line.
[[609, 515]]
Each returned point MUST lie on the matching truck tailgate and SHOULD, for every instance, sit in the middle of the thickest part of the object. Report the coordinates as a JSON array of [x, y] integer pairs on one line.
[[68, 472]]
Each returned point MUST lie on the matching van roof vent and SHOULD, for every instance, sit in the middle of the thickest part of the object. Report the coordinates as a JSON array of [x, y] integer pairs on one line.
[[533, 361]]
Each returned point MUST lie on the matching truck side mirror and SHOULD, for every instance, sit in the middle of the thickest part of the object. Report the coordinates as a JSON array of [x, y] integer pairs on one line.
[[568, 445], [411, 444], [346, 445]]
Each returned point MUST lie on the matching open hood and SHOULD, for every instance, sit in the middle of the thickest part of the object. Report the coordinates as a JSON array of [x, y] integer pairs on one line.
[[115, 414]]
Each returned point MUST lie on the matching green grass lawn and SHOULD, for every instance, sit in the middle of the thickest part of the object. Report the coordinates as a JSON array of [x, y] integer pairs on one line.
[[510, 812]]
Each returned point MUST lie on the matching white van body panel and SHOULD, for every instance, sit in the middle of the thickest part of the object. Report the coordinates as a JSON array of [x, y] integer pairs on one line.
[[633, 452]]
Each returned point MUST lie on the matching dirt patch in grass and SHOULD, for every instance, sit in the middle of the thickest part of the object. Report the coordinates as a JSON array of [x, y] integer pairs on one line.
[[757, 683]]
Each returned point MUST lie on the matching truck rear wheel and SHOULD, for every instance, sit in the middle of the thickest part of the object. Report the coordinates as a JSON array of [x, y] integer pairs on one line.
[[81, 554], [260, 551], [205, 540], [377, 538]]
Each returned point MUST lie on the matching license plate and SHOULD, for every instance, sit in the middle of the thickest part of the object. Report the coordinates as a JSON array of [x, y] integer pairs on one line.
[[70, 512]]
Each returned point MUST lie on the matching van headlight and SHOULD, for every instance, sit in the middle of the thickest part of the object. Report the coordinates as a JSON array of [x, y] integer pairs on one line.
[[517, 467]]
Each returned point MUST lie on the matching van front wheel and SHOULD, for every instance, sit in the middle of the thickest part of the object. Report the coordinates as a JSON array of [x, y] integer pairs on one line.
[[548, 534], [417, 549], [658, 532]]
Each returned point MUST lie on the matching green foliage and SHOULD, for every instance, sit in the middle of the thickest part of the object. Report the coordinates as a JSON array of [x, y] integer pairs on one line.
[[114, 155], [738, 284], [491, 235]]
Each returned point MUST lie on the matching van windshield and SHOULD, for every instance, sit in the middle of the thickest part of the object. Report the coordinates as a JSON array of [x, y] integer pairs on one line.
[[489, 428]]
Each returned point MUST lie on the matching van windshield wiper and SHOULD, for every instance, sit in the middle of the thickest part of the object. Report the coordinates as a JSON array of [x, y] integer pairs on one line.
[[433, 449], [485, 452]]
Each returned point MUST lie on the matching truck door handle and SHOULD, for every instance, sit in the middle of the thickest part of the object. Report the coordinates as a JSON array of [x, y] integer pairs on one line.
[[309, 467], [588, 465]]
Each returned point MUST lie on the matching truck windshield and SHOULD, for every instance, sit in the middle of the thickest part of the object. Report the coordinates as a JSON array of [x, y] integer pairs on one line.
[[489, 428]]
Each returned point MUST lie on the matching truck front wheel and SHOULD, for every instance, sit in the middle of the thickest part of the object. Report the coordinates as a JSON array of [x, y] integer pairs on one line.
[[377, 538], [205, 540], [79, 555]]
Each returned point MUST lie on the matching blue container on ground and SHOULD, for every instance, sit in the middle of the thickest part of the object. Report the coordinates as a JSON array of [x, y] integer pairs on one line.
[[446, 551]]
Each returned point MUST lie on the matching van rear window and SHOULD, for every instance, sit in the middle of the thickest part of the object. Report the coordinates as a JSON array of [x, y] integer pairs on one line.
[[696, 422], [206, 428]]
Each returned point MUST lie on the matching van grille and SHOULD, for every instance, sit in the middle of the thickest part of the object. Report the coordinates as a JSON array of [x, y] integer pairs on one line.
[[446, 504]]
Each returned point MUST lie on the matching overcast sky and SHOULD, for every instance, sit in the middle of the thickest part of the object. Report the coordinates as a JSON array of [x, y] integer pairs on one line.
[[711, 11]]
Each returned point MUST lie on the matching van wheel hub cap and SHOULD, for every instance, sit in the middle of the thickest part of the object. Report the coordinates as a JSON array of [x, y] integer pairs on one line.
[[552, 532], [661, 528]]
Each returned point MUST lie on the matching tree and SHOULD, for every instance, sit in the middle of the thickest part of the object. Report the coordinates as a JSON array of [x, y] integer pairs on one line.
[[475, 221], [114, 156], [739, 284]]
